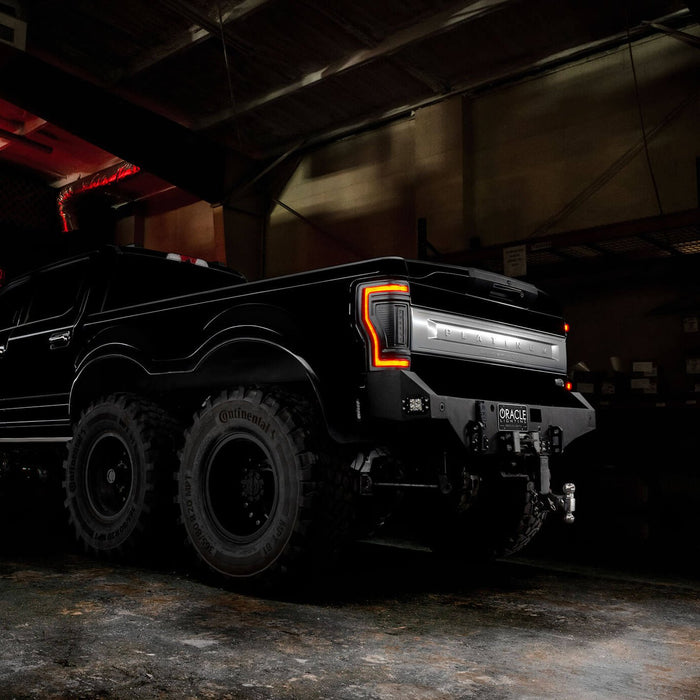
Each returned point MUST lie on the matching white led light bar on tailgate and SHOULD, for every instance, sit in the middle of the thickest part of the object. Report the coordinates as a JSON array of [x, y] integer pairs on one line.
[[467, 338]]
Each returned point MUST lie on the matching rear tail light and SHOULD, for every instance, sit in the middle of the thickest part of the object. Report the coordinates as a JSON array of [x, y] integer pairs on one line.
[[384, 316]]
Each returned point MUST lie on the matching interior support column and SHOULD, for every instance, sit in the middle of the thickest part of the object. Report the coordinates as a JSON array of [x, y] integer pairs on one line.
[[240, 235], [445, 174], [469, 174]]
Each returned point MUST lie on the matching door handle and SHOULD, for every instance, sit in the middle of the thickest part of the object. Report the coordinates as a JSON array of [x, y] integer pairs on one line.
[[58, 340]]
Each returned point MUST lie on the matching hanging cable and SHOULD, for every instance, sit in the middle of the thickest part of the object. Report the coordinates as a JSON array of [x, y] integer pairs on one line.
[[641, 115], [347, 247], [227, 67]]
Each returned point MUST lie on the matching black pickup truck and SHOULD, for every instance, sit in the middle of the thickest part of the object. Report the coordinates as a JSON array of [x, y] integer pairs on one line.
[[284, 415]]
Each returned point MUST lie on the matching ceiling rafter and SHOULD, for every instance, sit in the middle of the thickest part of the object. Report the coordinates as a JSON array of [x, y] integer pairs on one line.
[[197, 165], [445, 21], [435, 84], [408, 54], [20, 130], [686, 38], [19, 138], [544, 65], [203, 28]]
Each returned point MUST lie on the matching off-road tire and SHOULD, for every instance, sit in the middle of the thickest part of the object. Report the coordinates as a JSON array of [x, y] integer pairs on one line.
[[250, 486], [532, 517], [118, 474], [505, 518]]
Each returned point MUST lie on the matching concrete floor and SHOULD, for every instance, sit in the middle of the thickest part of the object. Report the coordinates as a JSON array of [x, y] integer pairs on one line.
[[391, 625]]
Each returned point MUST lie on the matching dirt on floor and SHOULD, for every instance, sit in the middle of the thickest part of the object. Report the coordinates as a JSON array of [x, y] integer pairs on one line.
[[391, 624]]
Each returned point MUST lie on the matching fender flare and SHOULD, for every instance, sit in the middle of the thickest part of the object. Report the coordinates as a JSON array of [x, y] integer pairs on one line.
[[92, 366], [290, 366], [233, 360]]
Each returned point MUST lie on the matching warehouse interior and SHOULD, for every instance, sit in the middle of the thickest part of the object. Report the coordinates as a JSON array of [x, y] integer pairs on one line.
[[550, 140]]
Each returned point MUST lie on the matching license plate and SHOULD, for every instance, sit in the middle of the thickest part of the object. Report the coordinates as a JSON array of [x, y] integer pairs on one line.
[[512, 417]]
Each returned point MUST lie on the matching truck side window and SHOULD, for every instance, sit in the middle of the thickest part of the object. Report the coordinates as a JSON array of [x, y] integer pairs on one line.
[[13, 303], [56, 291]]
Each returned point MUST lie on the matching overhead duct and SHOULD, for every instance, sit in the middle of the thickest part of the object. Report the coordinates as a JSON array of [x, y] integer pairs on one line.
[[104, 178]]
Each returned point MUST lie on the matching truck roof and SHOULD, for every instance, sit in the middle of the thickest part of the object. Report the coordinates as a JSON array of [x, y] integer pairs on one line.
[[228, 275]]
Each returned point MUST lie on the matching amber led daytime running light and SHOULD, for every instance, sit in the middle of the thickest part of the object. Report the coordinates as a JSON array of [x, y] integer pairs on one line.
[[377, 361]]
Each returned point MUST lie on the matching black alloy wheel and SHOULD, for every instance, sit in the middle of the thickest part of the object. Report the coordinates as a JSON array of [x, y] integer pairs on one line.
[[118, 473], [109, 476]]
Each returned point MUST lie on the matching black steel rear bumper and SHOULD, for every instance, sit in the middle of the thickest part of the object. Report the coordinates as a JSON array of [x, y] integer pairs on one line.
[[401, 396]]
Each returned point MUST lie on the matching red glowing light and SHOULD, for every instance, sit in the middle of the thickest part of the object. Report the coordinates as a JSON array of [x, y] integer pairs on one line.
[[377, 360], [566, 328], [91, 183], [569, 386]]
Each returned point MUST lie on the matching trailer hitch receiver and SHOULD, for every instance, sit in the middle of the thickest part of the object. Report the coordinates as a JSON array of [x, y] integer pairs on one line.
[[564, 504], [569, 502]]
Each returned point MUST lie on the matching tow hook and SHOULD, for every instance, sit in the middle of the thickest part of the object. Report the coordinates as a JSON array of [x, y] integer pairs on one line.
[[565, 504]]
